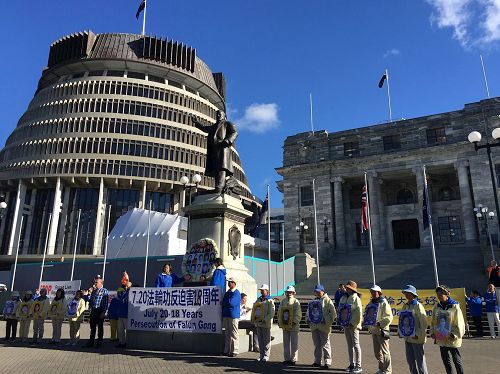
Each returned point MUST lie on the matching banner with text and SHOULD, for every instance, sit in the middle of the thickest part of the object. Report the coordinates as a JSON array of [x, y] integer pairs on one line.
[[69, 287], [427, 298], [184, 309]]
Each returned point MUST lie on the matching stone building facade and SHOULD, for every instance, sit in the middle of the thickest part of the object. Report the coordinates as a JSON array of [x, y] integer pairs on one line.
[[393, 155], [109, 125]]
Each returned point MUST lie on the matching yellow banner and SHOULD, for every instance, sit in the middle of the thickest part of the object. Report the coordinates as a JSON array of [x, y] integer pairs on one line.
[[428, 299]]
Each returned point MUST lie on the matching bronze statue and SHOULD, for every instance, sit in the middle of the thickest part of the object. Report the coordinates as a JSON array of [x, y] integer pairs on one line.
[[220, 137]]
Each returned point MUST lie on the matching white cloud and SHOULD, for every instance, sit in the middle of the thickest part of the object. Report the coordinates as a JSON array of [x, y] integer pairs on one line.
[[259, 118], [391, 52], [474, 22]]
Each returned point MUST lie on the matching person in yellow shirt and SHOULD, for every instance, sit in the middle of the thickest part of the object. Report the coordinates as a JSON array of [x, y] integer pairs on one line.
[[42, 304], [57, 312], [75, 310], [352, 325], [289, 316], [378, 317], [414, 342], [320, 316], [23, 314], [447, 329], [262, 317]]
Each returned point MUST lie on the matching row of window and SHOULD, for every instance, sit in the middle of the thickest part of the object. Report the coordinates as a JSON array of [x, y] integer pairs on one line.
[[108, 146], [102, 87], [393, 142]]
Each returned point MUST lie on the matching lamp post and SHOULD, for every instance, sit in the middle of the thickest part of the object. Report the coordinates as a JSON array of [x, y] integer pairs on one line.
[[326, 223], [300, 229], [475, 137], [195, 180], [482, 214]]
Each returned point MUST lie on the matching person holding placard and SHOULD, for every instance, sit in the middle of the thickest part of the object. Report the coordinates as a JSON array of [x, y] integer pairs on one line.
[[350, 319], [230, 316], [40, 309], [289, 316], [378, 318], [262, 317], [447, 329], [57, 312], [122, 314], [413, 328], [9, 312], [24, 315], [112, 313], [75, 310], [320, 316]]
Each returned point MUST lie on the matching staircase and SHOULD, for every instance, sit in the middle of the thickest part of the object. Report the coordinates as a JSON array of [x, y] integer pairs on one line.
[[458, 266]]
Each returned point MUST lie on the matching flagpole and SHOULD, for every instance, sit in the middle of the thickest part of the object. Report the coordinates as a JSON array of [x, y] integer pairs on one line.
[[147, 246], [388, 94], [17, 254], [369, 228], [45, 250], [484, 76], [283, 258], [311, 112], [144, 18], [316, 228], [269, 238], [429, 218], [106, 244], [76, 244]]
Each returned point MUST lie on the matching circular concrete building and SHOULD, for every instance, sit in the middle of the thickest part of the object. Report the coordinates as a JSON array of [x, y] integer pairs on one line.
[[109, 125]]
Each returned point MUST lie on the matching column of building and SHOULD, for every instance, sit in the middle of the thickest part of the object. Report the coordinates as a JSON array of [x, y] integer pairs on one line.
[[339, 223], [54, 221], [16, 219], [469, 220], [376, 213], [323, 215], [101, 219], [425, 238]]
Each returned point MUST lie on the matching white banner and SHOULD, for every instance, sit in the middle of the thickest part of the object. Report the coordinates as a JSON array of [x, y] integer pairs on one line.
[[69, 287], [185, 309]]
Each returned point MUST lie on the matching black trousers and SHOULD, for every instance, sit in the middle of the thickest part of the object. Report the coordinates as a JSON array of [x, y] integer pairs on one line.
[[449, 354], [478, 323], [10, 328], [96, 322]]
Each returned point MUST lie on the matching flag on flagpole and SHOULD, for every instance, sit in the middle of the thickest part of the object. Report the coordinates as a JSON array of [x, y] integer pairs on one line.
[[426, 209], [382, 80], [364, 210], [140, 9], [262, 214]]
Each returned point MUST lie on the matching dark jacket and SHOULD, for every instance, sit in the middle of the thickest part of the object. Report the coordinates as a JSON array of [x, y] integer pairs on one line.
[[495, 276], [231, 304], [122, 310], [113, 308]]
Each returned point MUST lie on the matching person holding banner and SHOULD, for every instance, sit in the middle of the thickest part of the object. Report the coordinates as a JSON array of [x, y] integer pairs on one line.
[[24, 315], [378, 318], [97, 297], [289, 316], [447, 329], [320, 316], [262, 317], [122, 314], [350, 319], [40, 309], [165, 279], [57, 313], [76, 307], [230, 316], [9, 312], [413, 328]]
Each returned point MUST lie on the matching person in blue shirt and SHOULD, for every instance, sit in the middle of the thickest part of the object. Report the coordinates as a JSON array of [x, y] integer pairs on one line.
[[490, 300], [230, 316], [122, 314], [338, 294], [166, 278], [113, 317], [475, 304], [219, 276]]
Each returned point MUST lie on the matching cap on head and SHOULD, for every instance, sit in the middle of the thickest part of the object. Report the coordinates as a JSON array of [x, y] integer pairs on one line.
[[15, 294], [231, 279], [353, 286], [290, 289], [29, 292], [444, 289], [410, 289], [264, 287], [376, 288], [319, 288], [98, 276]]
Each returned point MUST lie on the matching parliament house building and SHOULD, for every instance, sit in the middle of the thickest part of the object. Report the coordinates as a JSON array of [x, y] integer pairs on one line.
[[109, 126]]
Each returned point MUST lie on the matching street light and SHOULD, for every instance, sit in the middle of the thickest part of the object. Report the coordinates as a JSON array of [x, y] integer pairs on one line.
[[475, 137], [482, 214], [300, 229], [195, 180]]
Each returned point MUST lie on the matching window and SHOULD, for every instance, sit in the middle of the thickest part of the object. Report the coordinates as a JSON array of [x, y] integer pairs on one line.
[[446, 194], [306, 196], [436, 136], [392, 142], [404, 196], [450, 229], [309, 233], [361, 237], [115, 73], [135, 75], [351, 149], [155, 78], [96, 73]]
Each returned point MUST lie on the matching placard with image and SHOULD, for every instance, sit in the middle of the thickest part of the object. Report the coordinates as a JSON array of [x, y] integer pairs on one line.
[[72, 308], [286, 316], [443, 326], [24, 310], [344, 315], [10, 308], [37, 309], [370, 316], [198, 262], [406, 326], [315, 311], [258, 312]]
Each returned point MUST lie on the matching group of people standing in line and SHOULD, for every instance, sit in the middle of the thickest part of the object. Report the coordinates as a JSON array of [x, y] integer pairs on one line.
[[322, 313]]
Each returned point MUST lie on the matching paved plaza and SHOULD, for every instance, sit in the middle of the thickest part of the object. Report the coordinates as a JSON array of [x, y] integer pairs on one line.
[[481, 356]]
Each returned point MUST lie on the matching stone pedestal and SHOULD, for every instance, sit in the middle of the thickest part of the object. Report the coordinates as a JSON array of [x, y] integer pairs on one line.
[[213, 216], [304, 265]]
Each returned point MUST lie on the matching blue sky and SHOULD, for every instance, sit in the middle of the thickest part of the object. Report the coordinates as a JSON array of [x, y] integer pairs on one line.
[[274, 53]]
